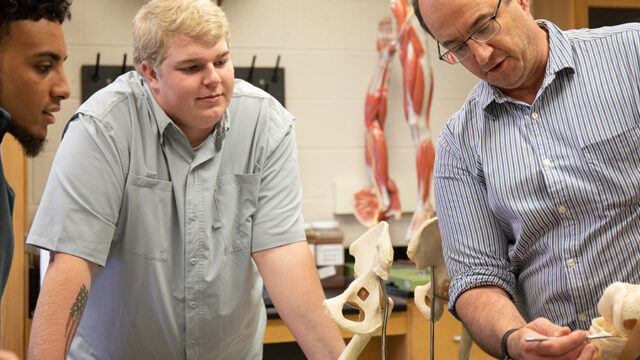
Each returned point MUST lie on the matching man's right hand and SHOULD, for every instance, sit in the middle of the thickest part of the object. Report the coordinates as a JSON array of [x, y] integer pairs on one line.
[[569, 345]]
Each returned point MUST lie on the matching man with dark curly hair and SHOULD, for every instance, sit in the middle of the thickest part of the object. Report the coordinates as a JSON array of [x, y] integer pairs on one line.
[[32, 85]]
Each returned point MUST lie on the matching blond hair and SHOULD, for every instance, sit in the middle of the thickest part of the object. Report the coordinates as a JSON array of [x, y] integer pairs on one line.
[[158, 21]]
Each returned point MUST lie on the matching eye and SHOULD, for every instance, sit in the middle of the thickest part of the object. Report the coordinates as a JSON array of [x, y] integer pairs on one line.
[[190, 69], [43, 68], [484, 28], [221, 63]]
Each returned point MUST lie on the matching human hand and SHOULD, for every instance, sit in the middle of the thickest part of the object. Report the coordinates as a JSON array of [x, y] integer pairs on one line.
[[8, 355], [569, 345]]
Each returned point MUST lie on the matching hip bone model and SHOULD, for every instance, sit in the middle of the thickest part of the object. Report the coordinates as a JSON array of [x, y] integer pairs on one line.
[[373, 255], [425, 249], [620, 310]]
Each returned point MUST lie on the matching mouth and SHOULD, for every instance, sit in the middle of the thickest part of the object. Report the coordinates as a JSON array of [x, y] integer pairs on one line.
[[49, 114], [212, 97], [496, 67]]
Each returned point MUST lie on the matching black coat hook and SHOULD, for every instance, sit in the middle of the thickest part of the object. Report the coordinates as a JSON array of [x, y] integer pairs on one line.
[[124, 64], [274, 77], [96, 72], [253, 63]]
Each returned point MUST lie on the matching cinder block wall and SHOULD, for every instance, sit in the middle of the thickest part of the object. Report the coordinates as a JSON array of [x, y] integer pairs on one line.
[[327, 48]]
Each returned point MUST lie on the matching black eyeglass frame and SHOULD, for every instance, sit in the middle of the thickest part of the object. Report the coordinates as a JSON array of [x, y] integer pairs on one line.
[[441, 56]]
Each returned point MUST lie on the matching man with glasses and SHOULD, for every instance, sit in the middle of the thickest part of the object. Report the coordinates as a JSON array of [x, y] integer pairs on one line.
[[537, 179]]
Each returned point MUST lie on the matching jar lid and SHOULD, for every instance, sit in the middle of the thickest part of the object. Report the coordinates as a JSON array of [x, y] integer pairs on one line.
[[324, 224]]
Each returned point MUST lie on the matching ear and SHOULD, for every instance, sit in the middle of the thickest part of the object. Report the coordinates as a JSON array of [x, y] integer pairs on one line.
[[525, 5], [151, 76]]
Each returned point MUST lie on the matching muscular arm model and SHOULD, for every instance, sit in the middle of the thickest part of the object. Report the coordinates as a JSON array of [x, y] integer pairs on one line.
[[417, 88], [380, 201]]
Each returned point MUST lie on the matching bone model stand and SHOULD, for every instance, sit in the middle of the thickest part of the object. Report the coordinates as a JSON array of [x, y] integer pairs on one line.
[[425, 249], [373, 255], [620, 310]]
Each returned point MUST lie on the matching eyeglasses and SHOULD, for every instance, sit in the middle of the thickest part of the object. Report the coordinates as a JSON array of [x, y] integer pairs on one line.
[[483, 33]]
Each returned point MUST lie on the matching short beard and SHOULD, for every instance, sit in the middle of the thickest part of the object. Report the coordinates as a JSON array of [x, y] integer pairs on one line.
[[31, 144]]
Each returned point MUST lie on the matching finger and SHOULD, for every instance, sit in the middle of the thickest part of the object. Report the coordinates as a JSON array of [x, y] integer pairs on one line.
[[587, 353], [547, 328], [572, 343]]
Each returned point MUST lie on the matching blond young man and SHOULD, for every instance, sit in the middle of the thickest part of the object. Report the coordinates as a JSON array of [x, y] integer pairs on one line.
[[174, 192]]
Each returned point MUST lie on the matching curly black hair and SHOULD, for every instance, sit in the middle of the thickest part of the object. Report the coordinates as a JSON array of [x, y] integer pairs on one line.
[[15, 10]]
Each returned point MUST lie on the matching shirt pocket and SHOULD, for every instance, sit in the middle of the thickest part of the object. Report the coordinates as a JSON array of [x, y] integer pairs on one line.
[[615, 165], [236, 200], [144, 225]]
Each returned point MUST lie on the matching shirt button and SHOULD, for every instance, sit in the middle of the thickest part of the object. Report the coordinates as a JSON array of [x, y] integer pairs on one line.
[[582, 317], [534, 116], [546, 162], [562, 209], [194, 304], [193, 217], [571, 263], [193, 261]]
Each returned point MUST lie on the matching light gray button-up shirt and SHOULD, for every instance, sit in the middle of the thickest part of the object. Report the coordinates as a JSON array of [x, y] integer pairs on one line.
[[173, 227]]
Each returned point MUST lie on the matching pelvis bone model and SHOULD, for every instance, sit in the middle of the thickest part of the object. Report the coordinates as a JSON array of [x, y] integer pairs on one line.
[[620, 310], [373, 255], [425, 249]]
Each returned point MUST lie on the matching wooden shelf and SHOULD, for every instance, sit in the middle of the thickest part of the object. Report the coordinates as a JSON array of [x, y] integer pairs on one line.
[[407, 337], [574, 14], [15, 299]]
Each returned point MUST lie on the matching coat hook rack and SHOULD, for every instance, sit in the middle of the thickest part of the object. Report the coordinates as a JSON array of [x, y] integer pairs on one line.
[[96, 73], [268, 79], [253, 63], [95, 77], [274, 77], [124, 64]]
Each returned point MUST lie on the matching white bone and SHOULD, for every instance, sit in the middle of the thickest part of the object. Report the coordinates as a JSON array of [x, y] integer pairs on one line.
[[619, 306], [373, 255], [425, 249]]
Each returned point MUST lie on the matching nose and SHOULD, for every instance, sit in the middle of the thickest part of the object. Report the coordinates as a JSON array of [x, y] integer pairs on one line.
[[60, 88], [481, 51], [211, 76]]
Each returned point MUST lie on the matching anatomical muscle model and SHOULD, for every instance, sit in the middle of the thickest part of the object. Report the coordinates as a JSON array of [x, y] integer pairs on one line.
[[380, 201], [373, 255], [620, 310]]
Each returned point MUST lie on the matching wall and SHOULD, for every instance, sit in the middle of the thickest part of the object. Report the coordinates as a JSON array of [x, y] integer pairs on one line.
[[327, 48]]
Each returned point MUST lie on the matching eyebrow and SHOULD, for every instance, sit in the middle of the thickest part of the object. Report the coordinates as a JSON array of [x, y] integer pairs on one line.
[[480, 19], [49, 54], [192, 60]]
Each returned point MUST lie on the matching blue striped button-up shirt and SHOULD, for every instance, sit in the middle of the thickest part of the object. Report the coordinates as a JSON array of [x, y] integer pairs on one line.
[[543, 200]]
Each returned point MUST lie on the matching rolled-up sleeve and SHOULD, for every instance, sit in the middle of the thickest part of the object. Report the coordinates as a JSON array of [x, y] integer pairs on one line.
[[475, 248]]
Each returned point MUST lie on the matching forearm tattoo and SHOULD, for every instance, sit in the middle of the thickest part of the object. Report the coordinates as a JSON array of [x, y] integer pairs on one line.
[[74, 316]]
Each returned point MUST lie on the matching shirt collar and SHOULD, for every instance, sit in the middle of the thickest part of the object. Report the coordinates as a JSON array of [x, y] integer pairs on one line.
[[560, 58], [5, 119]]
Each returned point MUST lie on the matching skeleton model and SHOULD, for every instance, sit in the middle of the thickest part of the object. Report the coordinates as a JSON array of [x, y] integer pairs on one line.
[[620, 310], [380, 201], [373, 255], [425, 249]]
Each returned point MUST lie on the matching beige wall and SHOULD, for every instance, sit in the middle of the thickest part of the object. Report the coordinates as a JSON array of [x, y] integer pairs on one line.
[[328, 51]]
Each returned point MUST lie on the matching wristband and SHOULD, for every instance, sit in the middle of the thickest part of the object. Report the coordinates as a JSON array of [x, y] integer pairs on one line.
[[505, 337]]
